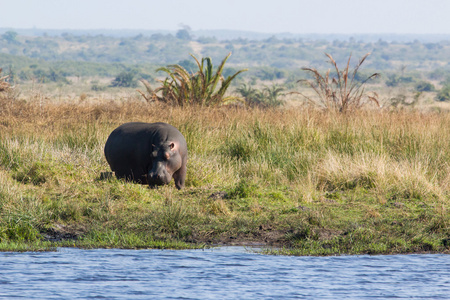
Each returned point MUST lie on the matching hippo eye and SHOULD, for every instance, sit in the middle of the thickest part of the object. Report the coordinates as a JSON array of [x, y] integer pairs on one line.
[[171, 146]]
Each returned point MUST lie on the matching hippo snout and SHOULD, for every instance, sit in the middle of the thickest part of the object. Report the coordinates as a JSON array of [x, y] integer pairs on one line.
[[156, 178]]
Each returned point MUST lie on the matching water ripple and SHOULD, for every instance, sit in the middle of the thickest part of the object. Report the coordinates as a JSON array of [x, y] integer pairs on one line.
[[229, 273]]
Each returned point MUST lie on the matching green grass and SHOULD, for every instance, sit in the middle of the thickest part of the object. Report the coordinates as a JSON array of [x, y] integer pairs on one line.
[[308, 182]]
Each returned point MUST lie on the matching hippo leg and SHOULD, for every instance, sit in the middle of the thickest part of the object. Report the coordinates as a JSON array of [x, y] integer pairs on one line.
[[180, 176]]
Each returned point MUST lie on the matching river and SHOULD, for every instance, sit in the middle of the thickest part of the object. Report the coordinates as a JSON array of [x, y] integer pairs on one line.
[[219, 273]]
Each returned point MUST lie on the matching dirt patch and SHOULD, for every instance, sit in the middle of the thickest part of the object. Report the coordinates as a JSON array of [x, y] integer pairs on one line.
[[61, 232], [327, 234], [262, 237]]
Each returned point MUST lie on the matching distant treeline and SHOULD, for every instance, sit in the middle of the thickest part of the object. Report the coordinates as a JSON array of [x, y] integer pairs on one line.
[[56, 57], [225, 34]]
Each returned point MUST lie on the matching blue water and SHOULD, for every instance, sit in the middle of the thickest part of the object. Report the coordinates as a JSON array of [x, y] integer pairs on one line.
[[222, 273]]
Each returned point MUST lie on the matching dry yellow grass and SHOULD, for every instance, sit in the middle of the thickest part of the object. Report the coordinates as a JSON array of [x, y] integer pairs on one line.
[[387, 148]]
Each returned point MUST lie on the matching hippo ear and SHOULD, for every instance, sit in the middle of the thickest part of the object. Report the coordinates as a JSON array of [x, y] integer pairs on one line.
[[171, 146]]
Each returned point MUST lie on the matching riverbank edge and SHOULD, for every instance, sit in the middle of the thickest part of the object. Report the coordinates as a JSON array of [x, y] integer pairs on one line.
[[55, 241]]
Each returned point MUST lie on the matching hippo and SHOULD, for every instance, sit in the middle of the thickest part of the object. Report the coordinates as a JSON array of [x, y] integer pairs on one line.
[[148, 153]]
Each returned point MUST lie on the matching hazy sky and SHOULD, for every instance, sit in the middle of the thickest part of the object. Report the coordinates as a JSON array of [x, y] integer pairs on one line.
[[271, 16]]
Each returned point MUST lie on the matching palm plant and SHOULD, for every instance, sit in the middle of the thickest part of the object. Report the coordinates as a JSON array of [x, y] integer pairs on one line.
[[248, 93], [267, 97], [272, 94], [341, 92], [202, 88]]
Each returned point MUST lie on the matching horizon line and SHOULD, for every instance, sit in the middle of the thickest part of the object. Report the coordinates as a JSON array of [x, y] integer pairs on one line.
[[223, 29]]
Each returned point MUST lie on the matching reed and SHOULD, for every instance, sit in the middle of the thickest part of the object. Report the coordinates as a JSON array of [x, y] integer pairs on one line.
[[341, 92]]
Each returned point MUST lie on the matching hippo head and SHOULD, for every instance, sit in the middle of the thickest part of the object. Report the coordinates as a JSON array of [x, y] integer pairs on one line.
[[166, 160]]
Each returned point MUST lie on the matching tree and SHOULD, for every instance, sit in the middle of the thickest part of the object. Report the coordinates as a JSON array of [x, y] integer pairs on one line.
[[188, 65], [183, 34], [124, 79], [10, 36]]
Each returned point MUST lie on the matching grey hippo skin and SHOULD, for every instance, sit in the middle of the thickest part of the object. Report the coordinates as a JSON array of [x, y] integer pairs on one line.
[[148, 153]]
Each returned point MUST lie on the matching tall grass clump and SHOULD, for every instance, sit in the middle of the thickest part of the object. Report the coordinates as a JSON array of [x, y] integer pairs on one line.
[[380, 173], [341, 92], [7, 92], [4, 84], [182, 88], [21, 215]]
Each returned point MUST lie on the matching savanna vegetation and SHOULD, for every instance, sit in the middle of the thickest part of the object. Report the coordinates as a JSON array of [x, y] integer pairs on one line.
[[351, 172], [309, 181]]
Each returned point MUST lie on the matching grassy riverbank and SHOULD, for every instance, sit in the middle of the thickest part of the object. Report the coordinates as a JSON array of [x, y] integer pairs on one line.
[[312, 183]]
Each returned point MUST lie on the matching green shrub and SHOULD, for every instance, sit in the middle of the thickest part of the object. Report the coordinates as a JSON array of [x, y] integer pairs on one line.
[[244, 189], [394, 80], [444, 94], [424, 86], [124, 79]]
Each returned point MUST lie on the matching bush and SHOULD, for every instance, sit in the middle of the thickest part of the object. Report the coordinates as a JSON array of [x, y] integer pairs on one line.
[[444, 94], [394, 80], [424, 86], [124, 79], [97, 87], [188, 65], [50, 75], [271, 74]]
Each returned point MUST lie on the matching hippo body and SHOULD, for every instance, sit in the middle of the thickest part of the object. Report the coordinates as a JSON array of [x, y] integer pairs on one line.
[[148, 153]]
